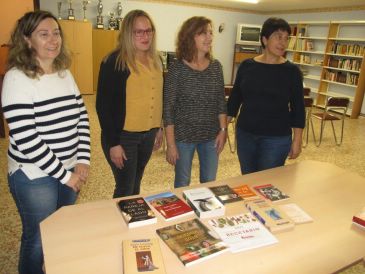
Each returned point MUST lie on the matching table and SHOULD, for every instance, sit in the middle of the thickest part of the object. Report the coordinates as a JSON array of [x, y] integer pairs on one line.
[[87, 238]]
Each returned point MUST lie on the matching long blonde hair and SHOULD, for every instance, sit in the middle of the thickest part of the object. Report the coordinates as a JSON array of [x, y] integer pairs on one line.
[[126, 48], [24, 58]]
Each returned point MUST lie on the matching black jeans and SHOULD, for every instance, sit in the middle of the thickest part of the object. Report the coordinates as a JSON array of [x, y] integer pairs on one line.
[[138, 148]]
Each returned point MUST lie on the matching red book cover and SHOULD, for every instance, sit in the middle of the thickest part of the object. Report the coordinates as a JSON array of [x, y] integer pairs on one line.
[[271, 193], [359, 218], [169, 205]]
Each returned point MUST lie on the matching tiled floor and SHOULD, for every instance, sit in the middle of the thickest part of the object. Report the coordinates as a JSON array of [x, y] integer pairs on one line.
[[159, 176]]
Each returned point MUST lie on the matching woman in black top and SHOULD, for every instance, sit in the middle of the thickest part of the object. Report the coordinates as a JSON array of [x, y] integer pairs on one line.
[[268, 90]]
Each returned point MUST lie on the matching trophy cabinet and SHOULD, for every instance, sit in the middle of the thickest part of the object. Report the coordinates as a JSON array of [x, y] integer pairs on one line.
[[78, 39]]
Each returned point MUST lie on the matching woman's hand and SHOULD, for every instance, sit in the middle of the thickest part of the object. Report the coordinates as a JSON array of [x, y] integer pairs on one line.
[[220, 141], [172, 154], [83, 171], [295, 149], [158, 140], [118, 156], [75, 182]]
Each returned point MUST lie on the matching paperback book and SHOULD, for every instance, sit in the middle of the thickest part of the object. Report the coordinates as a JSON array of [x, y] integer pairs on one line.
[[359, 218], [271, 216], [242, 232], [192, 241], [136, 212], [298, 215], [245, 192], [204, 202], [142, 255], [169, 205], [271, 192], [225, 194]]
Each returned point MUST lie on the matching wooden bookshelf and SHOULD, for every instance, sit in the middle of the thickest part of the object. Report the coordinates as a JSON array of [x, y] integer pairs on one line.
[[241, 53], [330, 55]]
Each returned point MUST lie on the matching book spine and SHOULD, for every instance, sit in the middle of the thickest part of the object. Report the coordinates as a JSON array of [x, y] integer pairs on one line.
[[358, 221]]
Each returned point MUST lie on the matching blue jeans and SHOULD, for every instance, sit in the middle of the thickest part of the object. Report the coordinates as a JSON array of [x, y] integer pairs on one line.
[[138, 148], [257, 152], [36, 200], [208, 159]]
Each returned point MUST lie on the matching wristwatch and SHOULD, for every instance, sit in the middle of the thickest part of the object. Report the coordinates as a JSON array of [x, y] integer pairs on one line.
[[223, 129]]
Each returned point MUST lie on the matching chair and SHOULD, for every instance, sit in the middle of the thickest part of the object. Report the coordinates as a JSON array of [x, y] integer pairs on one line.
[[308, 104], [306, 92], [232, 143], [335, 110]]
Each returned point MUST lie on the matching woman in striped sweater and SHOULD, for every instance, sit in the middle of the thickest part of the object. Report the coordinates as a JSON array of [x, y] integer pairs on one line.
[[49, 150]]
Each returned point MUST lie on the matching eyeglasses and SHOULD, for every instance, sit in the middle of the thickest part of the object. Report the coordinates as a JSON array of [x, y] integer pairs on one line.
[[141, 32]]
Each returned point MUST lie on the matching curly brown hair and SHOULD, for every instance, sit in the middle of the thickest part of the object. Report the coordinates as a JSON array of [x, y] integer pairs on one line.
[[185, 44], [24, 58]]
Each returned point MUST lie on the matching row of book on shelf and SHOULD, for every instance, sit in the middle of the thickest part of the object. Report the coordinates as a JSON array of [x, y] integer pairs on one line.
[[300, 44], [341, 77], [347, 49], [192, 241], [349, 64]]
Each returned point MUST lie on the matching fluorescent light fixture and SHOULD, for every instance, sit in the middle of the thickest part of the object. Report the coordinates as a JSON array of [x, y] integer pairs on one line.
[[248, 1]]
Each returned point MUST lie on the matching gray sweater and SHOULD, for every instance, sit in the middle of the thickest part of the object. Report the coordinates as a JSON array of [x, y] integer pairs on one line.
[[193, 100]]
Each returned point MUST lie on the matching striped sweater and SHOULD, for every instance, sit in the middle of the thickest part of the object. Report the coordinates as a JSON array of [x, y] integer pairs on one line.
[[48, 124], [193, 100]]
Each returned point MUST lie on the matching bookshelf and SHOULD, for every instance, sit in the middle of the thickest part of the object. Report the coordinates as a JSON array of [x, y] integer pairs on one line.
[[241, 53], [330, 55]]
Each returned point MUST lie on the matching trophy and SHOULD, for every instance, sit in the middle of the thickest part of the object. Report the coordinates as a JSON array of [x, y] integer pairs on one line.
[[84, 4], [59, 6], [113, 23], [71, 15], [119, 12], [99, 18]]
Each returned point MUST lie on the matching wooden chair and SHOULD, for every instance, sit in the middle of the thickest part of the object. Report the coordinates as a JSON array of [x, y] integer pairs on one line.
[[232, 143], [334, 110], [308, 104]]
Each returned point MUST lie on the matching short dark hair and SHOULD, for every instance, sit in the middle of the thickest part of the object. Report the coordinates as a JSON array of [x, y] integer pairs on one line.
[[271, 25]]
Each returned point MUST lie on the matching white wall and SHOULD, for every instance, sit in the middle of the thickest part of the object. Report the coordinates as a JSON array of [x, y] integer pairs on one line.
[[168, 19]]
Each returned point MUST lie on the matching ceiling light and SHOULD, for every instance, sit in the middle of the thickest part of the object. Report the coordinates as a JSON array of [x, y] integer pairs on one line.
[[248, 1]]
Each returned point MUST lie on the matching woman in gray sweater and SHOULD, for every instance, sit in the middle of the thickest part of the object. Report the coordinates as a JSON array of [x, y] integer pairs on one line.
[[194, 106]]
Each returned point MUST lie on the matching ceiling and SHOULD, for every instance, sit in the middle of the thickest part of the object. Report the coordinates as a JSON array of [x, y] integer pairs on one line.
[[279, 6]]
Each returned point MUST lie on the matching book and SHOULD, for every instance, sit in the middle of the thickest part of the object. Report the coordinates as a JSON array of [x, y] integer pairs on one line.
[[192, 241], [142, 255], [359, 218], [136, 212], [242, 232], [245, 192], [271, 192], [272, 217], [203, 202], [169, 205], [298, 215], [225, 194]]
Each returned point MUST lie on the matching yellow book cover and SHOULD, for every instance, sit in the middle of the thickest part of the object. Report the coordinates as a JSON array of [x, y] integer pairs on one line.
[[142, 255]]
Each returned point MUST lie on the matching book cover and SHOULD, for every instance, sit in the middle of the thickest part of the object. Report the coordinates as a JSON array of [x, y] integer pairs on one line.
[[142, 255], [271, 192], [169, 205], [225, 194], [359, 218], [191, 241], [245, 192], [204, 202], [136, 212], [272, 217], [298, 215], [242, 232]]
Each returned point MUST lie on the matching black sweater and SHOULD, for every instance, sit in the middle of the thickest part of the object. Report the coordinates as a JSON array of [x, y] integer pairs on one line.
[[111, 98], [271, 96]]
